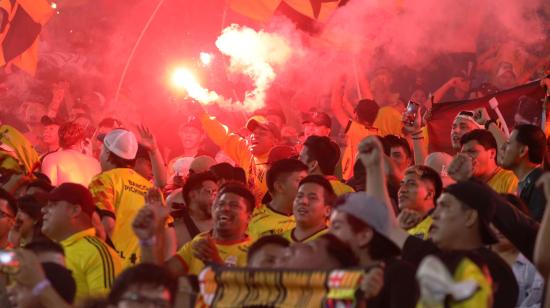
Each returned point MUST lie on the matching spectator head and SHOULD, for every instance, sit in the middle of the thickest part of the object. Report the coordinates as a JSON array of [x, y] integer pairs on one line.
[[284, 177], [320, 154], [462, 216], [70, 207], [420, 96], [191, 134], [39, 186], [276, 116], [143, 164], [324, 253], [265, 135], [481, 146], [366, 111], [104, 127], [281, 152], [505, 76], [50, 133], [529, 111], [71, 134], [419, 189], [47, 250], [227, 173], [8, 210], [200, 189], [363, 222], [398, 150], [120, 148], [526, 145], [266, 252], [463, 123], [232, 210], [313, 201], [316, 123], [201, 164], [60, 279], [440, 161], [144, 284], [28, 221]]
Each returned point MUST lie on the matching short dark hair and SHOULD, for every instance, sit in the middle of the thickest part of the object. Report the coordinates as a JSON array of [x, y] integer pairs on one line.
[[320, 180], [533, 137], [41, 184], [194, 181], [483, 137], [120, 162], [70, 133], [366, 111], [428, 174], [392, 141], [283, 168], [12, 204], [142, 274], [45, 245], [241, 190], [224, 171], [340, 251], [109, 122], [325, 151], [380, 248], [267, 240]]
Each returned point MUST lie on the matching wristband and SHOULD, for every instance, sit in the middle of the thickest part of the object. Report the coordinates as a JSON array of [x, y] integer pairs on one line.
[[39, 287], [488, 123], [148, 242]]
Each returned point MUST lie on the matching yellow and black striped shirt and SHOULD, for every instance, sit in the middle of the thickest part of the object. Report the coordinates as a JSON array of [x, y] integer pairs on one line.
[[93, 263]]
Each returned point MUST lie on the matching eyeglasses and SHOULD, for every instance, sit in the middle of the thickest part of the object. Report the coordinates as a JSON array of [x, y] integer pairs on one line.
[[139, 300]]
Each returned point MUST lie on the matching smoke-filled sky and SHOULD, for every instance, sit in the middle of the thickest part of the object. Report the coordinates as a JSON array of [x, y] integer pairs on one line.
[[95, 39]]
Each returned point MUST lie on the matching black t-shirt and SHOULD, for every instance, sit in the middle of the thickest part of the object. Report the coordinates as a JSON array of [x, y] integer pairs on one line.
[[400, 288], [505, 287]]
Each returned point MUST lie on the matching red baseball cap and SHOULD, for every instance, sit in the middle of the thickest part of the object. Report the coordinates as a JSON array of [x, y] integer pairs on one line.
[[74, 194]]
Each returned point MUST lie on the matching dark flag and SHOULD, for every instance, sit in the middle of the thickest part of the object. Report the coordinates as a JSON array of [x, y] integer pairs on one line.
[[443, 114]]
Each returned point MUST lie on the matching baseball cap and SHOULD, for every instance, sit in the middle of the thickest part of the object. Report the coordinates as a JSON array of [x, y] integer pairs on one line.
[[469, 116], [261, 121], [46, 121], [318, 118], [122, 143], [480, 197], [192, 121], [74, 194], [370, 211], [281, 152]]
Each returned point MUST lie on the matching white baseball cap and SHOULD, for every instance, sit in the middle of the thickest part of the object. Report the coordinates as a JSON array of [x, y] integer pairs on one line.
[[122, 143]]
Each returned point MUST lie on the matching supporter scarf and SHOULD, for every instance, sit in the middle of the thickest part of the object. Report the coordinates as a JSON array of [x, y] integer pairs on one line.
[[277, 288]]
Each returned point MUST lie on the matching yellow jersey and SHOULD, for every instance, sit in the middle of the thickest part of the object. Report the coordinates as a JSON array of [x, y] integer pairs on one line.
[[120, 193], [422, 230], [236, 147], [504, 182], [18, 154], [354, 134], [232, 253], [266, 221], [93, 263], [388, 121], [339, 187], [289, 235]]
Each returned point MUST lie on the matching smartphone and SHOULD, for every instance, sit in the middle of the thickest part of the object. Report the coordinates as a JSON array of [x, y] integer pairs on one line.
[[410, 113], [9, 261]]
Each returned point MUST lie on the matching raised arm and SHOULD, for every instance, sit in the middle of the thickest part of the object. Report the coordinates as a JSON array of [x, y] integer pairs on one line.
[[148, 140], [440, 93], [337, 102], [371, 156]]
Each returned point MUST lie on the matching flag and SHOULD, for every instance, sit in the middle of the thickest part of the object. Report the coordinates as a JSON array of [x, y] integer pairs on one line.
[[443, 114], [22, 21]]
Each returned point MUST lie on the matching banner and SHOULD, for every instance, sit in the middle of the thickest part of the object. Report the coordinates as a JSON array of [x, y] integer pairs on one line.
[[443, 114], [247, 287]]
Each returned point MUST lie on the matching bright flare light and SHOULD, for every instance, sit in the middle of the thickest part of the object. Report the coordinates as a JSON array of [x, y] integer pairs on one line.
[[206, 58], [185, 80], [54, 5]]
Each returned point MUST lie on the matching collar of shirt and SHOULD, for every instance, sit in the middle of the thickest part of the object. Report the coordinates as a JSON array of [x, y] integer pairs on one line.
[[77, 236], [529, 174]]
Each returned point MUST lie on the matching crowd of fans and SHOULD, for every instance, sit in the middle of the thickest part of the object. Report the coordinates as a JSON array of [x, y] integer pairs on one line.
[[96, 213]]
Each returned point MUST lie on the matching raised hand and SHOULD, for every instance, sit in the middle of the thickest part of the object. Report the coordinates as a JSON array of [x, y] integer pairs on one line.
[[147, 139], [145, 223], [372, 282], [481, 116], [370, 151], [409, 218], [205, 250], [461, 167]]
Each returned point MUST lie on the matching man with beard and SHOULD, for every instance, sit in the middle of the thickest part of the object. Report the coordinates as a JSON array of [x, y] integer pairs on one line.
[[195, 216], [226, 244]]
